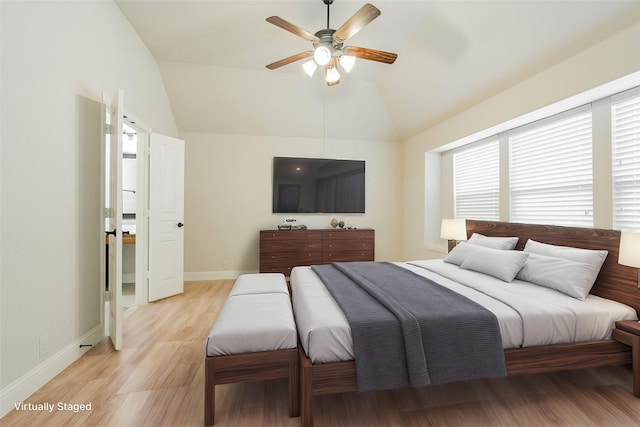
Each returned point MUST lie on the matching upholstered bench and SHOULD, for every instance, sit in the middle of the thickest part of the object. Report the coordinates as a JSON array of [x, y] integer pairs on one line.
[[253, 339]]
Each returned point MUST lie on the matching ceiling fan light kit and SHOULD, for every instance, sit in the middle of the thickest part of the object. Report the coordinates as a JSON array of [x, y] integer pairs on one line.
[[322, 55], [328, 44], [309, 67]]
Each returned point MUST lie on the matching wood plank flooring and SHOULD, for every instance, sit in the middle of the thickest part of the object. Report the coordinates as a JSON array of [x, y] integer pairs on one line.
[[158, 380]]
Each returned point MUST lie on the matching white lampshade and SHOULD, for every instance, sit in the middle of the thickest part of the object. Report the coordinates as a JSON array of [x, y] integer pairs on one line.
[[332, 75], [629, 253], [453, 229], [309, 67], [322, 55], [347, 62]]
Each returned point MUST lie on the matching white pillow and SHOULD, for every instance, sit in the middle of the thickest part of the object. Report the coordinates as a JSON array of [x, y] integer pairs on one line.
[[459, 253], [595, 258], [569, 277], [504, 243], [495, 262]]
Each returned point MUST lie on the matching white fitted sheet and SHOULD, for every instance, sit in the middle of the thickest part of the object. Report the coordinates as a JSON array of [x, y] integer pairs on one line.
[[528, 314]]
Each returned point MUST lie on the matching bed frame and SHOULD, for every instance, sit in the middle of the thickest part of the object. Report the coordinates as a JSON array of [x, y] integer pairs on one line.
[[615, 282]]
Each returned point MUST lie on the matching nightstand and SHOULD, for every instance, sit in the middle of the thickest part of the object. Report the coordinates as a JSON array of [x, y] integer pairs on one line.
[[628, 332]]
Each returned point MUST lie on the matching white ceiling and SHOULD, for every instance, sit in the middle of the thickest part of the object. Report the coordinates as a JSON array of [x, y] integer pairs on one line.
[[452, 54]]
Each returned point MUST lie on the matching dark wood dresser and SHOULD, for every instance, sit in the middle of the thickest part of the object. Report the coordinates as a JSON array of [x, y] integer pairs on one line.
[[281, 250]]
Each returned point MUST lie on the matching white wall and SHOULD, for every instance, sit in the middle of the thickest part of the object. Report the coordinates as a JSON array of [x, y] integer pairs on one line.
[[603, 62], [228, 197], [52, 52]]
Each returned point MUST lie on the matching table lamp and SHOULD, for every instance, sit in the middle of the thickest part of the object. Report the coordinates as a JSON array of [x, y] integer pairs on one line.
[[453, 230], [629, 253]]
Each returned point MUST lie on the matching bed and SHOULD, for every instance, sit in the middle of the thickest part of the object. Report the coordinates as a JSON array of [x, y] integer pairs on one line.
[[326, 353]]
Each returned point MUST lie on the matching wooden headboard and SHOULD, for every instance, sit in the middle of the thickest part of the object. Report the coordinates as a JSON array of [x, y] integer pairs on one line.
[[616, 282]]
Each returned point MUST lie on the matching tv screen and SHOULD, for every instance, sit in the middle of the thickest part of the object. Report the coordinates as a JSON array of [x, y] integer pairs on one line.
[[303, 185]]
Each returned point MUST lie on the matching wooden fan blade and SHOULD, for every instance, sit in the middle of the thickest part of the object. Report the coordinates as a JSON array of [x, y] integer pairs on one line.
[[289, 60], [371, 54], [358, 21], [292, 28]]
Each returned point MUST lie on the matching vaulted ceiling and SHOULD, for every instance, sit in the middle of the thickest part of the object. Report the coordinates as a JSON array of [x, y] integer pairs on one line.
[[452, 54]]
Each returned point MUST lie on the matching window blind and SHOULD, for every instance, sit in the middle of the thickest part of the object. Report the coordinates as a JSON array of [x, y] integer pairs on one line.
[[625, 144], [477, 181], [550, 171]]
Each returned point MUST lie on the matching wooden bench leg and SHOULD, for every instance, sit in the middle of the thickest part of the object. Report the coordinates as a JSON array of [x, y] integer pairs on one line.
[[306, 391], [294, 384], [209, 391]]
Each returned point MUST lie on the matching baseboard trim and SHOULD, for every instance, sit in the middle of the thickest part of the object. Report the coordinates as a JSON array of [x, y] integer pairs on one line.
[[215, 275], [29, 383]]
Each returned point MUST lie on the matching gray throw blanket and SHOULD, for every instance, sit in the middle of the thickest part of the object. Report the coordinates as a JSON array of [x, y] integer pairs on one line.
[[409, 331]]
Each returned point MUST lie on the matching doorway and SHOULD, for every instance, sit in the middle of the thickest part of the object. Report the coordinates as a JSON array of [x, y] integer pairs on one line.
[[135, 143], [125, 171], [144, 214]]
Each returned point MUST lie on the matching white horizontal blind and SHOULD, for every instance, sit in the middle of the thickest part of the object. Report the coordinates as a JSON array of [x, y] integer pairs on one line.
[[625, 141], [550, 172], [477, 181]]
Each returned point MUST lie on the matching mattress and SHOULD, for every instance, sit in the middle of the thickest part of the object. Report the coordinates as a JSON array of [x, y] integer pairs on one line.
[[528, 314]]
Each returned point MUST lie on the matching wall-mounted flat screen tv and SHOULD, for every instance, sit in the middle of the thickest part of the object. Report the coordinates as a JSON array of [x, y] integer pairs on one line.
[[304, 185]]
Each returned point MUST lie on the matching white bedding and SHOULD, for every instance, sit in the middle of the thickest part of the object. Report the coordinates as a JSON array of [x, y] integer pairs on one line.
[[528, 314]]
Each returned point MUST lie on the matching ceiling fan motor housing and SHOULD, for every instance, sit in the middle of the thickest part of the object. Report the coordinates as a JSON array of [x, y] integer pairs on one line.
[[325, 38]]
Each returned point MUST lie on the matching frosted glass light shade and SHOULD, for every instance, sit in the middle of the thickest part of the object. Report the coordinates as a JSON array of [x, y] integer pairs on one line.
[[309, 67], [347, 62], [322, 55], [332, 75]]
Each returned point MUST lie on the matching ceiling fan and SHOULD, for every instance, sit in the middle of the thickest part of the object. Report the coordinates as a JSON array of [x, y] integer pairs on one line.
[[328, 44]]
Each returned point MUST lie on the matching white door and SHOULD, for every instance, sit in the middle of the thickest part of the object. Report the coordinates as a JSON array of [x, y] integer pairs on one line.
[[166, 217], [114, 222]]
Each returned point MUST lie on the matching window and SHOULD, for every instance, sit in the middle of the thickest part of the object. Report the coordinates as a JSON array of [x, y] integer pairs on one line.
[[477, 181], [625, 144], [546, 170], [550, 171]]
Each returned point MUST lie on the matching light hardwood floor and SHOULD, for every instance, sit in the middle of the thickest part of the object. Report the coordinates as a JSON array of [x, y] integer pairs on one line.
[[158, 380]]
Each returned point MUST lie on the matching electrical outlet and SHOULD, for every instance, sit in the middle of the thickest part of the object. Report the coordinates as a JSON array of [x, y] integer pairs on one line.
[[43, 346]]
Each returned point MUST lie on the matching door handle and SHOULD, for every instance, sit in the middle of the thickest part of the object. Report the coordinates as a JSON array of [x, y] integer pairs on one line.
[[113, 233], [180, 225]]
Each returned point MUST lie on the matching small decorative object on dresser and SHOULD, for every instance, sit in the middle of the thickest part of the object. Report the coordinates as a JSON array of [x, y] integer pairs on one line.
[[281, 250]]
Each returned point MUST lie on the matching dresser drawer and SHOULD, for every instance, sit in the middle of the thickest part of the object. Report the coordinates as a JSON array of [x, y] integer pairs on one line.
[[348, 245], [287, 260], [346, 256], [341, 235], [290, 241]]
